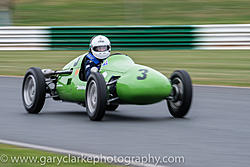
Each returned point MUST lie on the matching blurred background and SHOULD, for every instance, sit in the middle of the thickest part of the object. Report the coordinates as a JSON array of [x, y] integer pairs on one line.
[[217, 67], [124, 12]]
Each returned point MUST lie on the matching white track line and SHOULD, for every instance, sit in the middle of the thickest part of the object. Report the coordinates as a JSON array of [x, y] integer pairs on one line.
[[66, 152]]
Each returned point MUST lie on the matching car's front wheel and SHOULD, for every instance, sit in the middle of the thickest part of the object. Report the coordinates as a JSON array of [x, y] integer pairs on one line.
[[181, 97], [33, 90], [96, 96]]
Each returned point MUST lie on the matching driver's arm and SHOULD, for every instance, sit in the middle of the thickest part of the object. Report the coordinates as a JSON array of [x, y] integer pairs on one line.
[[90, 67]]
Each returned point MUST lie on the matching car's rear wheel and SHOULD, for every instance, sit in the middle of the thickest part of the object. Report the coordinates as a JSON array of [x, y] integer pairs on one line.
[[96, 96], [181, 96], [33, 90]]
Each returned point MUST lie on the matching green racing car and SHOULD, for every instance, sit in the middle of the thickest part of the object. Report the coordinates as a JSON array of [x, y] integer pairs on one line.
[[119, 81]]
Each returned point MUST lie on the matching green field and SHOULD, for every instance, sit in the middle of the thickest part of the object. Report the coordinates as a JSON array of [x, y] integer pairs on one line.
[[37, 158], [130, 12], [205, 67]]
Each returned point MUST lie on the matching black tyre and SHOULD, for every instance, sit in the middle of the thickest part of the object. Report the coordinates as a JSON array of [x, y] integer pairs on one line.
[[112, 107], [181, 100], [96, 96], [33, 90]]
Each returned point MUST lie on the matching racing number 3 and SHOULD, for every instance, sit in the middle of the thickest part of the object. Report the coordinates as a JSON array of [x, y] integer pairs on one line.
[[144, 74]]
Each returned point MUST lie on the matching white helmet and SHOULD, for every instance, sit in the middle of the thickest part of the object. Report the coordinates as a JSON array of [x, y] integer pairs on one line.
[[100, 47]]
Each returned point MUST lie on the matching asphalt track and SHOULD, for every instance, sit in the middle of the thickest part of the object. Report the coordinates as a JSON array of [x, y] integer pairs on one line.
[[216, 132]]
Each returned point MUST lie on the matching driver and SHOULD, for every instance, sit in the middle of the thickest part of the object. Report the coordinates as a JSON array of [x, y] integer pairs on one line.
[[99, 49]]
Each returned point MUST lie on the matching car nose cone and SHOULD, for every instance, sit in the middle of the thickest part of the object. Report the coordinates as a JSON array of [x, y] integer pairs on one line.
[[143, 85]]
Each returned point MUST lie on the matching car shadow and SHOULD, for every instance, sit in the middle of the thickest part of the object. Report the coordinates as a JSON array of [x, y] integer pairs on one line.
[[64, 114], [111, 116], [131, 118], [118, 117]]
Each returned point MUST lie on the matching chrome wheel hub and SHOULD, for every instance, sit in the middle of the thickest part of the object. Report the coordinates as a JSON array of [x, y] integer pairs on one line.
[[92, 96], [177, 93], [29, 91]]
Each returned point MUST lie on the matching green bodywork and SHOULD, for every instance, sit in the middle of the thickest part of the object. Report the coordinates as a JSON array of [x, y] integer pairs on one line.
[[137, 84]]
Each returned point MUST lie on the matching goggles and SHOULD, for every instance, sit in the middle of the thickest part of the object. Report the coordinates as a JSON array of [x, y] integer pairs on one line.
[[101, 48]]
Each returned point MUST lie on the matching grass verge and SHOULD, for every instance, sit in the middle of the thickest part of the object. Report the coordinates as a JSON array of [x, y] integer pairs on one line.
[[13, 156], [134, 12], [205, 67]]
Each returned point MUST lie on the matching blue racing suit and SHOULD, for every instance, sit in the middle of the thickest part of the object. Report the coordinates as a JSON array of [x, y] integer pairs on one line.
[[91, 61]]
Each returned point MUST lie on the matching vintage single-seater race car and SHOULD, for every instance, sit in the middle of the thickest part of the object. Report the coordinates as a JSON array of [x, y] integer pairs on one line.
[[119, 81]]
